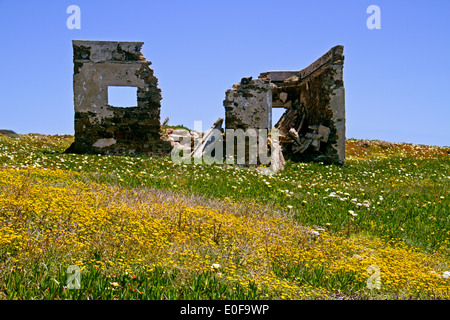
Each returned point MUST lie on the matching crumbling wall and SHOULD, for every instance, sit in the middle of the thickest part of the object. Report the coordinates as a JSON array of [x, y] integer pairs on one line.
[[322, 94], [249, 105], [105, 129], [313, 125]]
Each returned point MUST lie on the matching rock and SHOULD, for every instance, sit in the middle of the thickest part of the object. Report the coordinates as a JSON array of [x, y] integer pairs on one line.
[[101, 143], [324, 132], [315, 144], [283, 96]]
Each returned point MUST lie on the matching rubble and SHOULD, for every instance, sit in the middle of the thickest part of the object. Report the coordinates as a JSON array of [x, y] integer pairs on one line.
[[313, 126], [324, 132], [212, 136], [199, 144]]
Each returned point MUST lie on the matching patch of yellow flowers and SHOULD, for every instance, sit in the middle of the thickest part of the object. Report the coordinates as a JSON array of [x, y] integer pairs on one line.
[[63, 216]]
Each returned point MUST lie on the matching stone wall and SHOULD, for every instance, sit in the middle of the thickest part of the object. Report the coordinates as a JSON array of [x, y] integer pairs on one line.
[[249, 105], [313, 126], [104, 129], [314, 99]]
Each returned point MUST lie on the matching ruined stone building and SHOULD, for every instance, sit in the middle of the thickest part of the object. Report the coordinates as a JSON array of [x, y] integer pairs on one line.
[[104, 129], [313, 126]]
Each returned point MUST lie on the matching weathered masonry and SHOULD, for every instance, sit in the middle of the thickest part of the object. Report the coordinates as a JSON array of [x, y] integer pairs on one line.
[[104, 129], [313, 126]]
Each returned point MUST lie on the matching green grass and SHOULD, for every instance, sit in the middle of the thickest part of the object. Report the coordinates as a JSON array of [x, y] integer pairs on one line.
[[404, 191], [398, 191], [49, 282]]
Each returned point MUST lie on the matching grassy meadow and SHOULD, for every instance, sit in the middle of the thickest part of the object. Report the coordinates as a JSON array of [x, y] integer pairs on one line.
[[146, 228]]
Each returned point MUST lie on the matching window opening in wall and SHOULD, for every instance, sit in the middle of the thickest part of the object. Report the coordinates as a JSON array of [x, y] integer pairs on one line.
[[119, 96]]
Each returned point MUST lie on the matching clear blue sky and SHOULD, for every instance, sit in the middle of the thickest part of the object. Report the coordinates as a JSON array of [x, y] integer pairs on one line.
[[396, 78]]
